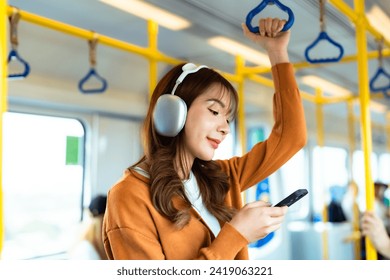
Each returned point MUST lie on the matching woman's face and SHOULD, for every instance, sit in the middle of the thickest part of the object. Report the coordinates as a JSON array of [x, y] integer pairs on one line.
[[207, 124]]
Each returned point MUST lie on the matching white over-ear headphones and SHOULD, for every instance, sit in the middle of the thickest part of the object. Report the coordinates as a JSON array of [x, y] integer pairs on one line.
[[170, 113]]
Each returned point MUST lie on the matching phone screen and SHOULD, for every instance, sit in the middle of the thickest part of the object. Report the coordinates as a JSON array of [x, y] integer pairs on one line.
[[292, 198]]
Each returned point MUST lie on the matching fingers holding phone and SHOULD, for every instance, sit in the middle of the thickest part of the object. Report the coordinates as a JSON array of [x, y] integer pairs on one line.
[[257, 219]]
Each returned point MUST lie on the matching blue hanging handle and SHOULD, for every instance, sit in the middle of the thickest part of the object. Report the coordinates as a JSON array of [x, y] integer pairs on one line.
[[384, 89], [261, 7], [324, 36], [92, 73], [13, 55]]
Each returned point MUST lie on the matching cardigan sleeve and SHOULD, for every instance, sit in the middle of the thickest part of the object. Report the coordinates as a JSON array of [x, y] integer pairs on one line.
[[225, 246], [287, 137]]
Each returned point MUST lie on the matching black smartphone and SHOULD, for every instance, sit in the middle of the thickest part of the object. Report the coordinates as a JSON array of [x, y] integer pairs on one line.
[[292, 198]]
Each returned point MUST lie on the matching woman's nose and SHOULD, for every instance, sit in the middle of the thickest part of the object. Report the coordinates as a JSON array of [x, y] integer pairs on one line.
[[224, 128]]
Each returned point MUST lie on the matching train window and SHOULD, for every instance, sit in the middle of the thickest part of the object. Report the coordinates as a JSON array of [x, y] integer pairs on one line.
[[358, 169], [329, 170], [384, 164], [43, 166], [294, 176]]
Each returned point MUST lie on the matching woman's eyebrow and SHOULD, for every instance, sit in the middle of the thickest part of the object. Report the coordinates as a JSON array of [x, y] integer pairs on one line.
[[218, 101]]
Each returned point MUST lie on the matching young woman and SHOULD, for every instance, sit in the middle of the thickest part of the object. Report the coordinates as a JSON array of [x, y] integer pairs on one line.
[[178, 203]]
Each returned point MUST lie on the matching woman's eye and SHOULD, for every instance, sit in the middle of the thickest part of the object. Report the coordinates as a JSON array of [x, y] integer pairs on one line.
[[215, 113]]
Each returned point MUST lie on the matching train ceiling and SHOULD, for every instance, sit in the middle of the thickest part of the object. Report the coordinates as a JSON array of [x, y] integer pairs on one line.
[[60, 56]]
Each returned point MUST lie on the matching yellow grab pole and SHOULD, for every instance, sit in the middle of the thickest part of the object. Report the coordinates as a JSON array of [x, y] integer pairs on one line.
[[351, 136], [152, 36], [355, 17], [240, 65], [3, 107], [345, 9], [319, 118], [387, 128], [352, 184], [364, 96], [320, 142]]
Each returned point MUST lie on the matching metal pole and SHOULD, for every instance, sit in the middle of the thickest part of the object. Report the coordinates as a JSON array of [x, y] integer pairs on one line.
[[3, 107], [364, 97]]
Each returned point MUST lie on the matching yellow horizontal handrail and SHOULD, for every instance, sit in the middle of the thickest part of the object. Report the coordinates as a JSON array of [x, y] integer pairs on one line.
[[105, 40], [152, 53], [354, 17], [90, 35], [305, 64]]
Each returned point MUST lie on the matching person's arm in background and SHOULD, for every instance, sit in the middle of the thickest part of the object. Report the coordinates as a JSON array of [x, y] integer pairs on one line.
[[374, 229]]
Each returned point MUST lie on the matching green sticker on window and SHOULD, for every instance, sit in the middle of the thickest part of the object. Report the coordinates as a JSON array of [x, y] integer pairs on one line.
[[73, 150]]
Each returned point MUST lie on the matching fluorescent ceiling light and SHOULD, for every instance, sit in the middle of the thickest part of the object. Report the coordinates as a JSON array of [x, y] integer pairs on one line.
[[374, 106], [377, 107], [328, 87], [380, 21], [147, 11], [236, 48]]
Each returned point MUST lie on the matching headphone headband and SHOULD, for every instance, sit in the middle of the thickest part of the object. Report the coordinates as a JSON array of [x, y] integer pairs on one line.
[[188, 68]]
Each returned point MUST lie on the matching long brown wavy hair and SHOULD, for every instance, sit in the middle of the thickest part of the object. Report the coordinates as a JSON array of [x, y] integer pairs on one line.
[[160, 152]]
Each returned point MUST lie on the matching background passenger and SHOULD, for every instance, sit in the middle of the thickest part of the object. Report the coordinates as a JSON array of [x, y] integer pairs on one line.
[[335, 209], [90, 245], [381, 210], [374, 229]]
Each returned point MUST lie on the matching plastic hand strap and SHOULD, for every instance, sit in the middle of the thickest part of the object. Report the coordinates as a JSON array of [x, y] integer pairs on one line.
[[92, 74], [380, 72], [13, 29], [261, 7], [13, 55], [324, 36]]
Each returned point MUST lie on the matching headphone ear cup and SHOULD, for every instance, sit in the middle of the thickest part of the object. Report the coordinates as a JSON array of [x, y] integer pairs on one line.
[[169, 115]]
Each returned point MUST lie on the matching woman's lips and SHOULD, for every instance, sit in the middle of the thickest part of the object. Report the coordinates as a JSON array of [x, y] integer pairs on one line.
[[214, 142]]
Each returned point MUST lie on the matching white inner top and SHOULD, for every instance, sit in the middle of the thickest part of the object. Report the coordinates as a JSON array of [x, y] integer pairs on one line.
[[192, 191]]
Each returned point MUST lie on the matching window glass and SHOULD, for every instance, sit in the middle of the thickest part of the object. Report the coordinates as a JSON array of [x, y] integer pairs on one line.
[[294, 176], [43, 162], [329, 170], [384, 168], [359, 174]]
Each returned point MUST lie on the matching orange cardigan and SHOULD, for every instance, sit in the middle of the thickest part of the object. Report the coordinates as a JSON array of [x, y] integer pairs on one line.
[[133, 229]]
